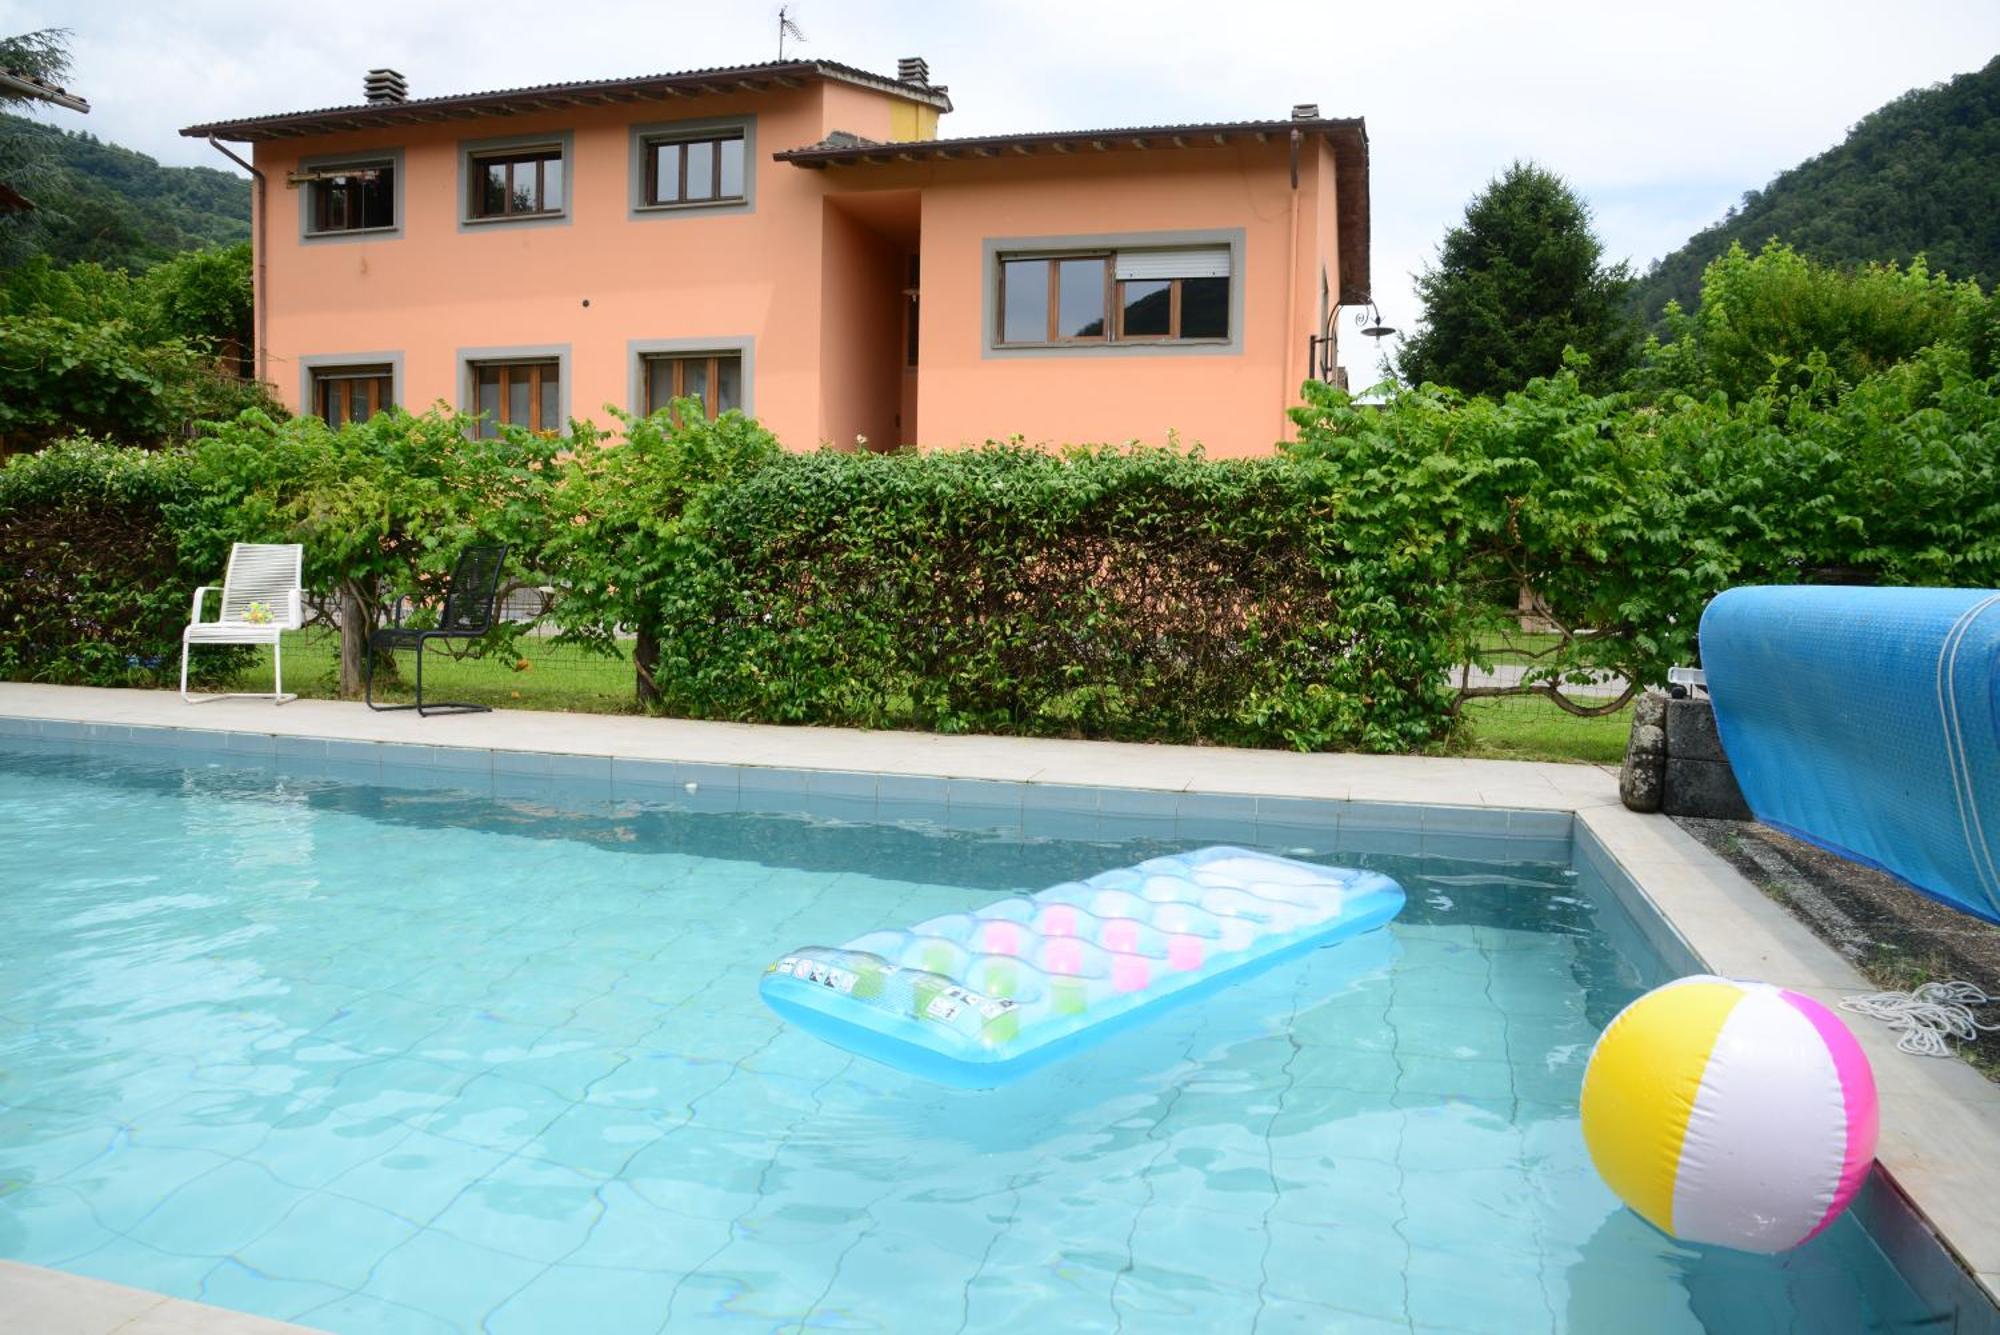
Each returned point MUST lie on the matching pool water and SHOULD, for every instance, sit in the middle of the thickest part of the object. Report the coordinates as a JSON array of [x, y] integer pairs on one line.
[[383, 1059]]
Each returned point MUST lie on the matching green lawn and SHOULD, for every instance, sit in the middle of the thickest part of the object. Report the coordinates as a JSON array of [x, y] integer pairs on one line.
[[1525, 727], [542, 676], [564, 677]]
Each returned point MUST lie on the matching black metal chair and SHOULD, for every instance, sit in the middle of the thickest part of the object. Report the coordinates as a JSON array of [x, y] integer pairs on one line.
[[470, 601]]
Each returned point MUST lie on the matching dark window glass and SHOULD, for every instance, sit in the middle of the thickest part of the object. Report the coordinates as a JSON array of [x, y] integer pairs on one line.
[[701, 171], [1204, 308], [666, 173], [490, 415], [551, 388], [351, 394], [1025, 318], [730, 152], [659, 382], [714, 378], [525, 394], [728, 384], [493, 197], [520, 389], [362, 198], [1080, 298], [1147, 308], [525, 183], [694, 379]]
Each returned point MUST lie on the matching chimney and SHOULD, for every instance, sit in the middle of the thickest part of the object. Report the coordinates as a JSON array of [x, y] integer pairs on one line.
[[1305, 111], [913, 69], [385, 86]]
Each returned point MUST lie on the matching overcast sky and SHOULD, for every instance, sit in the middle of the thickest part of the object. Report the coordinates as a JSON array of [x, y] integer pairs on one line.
[[1661, 115]]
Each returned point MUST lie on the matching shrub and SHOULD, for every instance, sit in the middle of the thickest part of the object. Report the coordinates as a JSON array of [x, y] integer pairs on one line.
[[383, 507], [60, 377], [1146, 594], [619, 542], [94, 580]]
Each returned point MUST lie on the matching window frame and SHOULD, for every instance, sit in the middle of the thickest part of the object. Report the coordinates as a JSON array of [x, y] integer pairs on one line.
[[473, 154], [380, 377], [651, 188], [714, 357], [471, 361], [997, 251], [308, 192], [314, 368], [643, 138], [1114, 306], [640, 351]]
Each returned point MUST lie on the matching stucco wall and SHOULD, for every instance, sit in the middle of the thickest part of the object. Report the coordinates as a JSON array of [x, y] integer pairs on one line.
[[440, 287], [1231, 401]]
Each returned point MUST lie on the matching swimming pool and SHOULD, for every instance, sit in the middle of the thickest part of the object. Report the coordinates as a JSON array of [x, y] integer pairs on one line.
[[383, 1057]]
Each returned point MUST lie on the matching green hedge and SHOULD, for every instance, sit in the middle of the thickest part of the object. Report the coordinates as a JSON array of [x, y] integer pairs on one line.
[[1139, 594], [94, 578]]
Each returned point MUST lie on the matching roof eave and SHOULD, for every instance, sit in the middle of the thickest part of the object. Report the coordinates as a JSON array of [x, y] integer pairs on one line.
[[516, 101]]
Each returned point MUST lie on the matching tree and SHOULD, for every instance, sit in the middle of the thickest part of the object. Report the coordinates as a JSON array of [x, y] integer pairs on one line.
[[1519, 281], [1762, 316]]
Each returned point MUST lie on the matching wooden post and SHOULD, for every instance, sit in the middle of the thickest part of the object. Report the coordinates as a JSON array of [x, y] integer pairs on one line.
[[353, 637]]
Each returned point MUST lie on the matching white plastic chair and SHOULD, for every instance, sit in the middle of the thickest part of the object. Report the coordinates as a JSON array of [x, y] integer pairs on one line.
[[263, 575]]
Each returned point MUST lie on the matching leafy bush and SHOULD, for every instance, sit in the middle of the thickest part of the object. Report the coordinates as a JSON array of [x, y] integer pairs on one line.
[[383, 507], [1145, 594], [1761, 317], [94, 579], [60, 377], [619, 540]]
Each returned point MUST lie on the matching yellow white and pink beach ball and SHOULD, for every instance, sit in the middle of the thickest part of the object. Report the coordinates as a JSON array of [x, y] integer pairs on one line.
[[1730, 1112]]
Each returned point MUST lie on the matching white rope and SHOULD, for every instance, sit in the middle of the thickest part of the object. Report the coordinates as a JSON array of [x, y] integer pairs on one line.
[[1927, 1015]]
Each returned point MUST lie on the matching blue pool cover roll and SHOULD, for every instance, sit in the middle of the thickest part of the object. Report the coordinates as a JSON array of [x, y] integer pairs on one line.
[[1867, 721], [979, 999]]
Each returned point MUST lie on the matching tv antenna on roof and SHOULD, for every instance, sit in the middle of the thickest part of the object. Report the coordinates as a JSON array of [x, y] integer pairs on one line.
[[787, 28]]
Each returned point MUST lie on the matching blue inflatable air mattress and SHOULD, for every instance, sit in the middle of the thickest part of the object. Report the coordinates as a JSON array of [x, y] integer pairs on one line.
[[979, 999], [1867, 721]]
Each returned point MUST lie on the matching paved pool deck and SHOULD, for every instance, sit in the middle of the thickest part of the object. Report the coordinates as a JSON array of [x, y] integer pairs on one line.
[[1940, 1142]]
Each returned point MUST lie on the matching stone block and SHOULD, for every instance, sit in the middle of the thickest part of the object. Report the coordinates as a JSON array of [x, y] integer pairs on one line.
[[1691, 731], [1704, 788]]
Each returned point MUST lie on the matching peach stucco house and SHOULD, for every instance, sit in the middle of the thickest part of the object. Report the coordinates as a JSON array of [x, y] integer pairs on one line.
[[794, 239]]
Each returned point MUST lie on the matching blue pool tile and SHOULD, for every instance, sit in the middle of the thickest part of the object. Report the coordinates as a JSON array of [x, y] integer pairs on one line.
[[1158, 803], [327, 1239], [520, 762], [525, 1207], [1541, 824], [910, 790], [592, 768], [301, 748], [841, 783], [1366, 815], [252, 743], [840, 807], [1466, 820], [416, 1176], [474, 758], [361, 1311], [218, 1211], [448, 1276], [234, 1284], [605, 1302], [1058, 822], [357, 753], [650, 773], [53, 1224]]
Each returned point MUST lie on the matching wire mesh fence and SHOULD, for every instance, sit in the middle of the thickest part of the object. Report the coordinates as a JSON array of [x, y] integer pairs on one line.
[[528, 667]]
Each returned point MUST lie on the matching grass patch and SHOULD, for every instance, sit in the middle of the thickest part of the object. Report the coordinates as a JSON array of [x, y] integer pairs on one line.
[[563, 677], [1526, 727], [542, 675]]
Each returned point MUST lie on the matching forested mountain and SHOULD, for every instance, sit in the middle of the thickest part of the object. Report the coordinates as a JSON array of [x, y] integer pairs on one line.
[[97, 201], [1919, 176]]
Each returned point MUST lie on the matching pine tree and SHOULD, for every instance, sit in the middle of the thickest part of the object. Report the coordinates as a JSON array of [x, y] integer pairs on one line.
[[1520, 280]]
